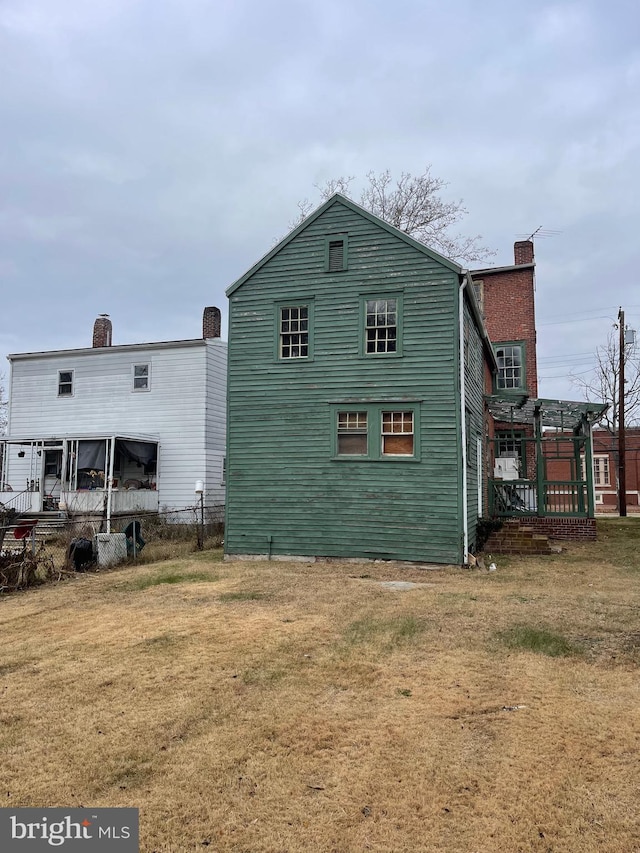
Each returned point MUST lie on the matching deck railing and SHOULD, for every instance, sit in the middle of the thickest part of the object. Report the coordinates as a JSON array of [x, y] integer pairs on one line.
[[20, 501], [512, 498]]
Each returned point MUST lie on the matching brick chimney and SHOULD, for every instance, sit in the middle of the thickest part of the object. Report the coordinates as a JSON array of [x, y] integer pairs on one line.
[[211, 322], [102, 331], [523, 252]]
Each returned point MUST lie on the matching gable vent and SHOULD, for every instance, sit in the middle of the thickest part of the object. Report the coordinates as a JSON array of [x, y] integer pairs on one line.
[[336, 255]]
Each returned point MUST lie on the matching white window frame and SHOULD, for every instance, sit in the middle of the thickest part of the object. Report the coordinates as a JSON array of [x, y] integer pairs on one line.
[[70, 383], [134, 377], [597, 458], [510, 374], [402, 418], [599, 470], [353, 423], [381, 337], [296, 337]]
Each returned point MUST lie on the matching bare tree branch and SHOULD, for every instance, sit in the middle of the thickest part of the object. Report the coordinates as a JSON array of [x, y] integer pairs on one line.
[[603, 384], [412, 204]]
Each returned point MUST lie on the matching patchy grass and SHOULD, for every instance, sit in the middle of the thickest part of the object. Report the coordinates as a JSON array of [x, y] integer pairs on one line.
[[329, 713], [540, 640], [388, 633], [166, 575], [240, 595]]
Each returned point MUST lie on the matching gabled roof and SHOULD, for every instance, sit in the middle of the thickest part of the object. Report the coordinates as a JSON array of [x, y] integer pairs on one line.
[[356, 208]]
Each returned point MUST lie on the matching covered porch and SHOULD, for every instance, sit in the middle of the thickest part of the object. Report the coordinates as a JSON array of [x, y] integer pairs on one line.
[[541, 457], [80, 475]]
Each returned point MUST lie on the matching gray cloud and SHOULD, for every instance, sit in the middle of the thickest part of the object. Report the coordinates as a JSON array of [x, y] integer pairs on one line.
[[152, 152]]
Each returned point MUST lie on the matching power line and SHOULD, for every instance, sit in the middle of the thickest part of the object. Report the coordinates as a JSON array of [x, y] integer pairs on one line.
[[570, 322]]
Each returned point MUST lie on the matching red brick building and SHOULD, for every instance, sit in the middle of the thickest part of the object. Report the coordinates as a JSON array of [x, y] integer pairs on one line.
[[535, 450], [506, 296], [605, 469]]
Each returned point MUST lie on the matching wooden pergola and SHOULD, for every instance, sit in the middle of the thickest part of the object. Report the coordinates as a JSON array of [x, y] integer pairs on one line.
[[542, 459]]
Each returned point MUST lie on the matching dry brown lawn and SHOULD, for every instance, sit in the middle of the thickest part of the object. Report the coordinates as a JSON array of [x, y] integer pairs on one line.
[[286, 707]]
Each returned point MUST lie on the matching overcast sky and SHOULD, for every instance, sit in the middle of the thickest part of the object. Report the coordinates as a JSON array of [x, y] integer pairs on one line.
[[150, 152]]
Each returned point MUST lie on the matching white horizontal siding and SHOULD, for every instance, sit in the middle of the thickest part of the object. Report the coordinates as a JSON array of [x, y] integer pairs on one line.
[[176, 408]]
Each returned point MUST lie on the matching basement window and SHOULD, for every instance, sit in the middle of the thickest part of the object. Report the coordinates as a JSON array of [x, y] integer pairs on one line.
[[65, 383]]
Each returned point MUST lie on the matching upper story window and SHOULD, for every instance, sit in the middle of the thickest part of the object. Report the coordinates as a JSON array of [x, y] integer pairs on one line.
[[336, 253], [382, 326], [141, 377], [65, 383], [511, 373], [293, 331]]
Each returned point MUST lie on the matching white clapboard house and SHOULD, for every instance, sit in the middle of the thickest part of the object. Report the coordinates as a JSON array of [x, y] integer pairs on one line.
[[112, 430]]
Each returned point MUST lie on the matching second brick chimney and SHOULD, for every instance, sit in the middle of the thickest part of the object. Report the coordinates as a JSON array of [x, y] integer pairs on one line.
[[102, 331], [523, 252], [211, 322]]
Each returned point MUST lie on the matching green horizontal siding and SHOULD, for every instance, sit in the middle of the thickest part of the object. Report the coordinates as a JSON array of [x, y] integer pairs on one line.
[[282, 483], [474, 403]]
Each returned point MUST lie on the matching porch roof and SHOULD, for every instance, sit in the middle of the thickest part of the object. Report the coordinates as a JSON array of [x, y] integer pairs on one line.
[[75, 436], [565, 414]]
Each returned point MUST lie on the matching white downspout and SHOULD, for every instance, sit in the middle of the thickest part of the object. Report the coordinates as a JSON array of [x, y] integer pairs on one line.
[[112, 453], [463, 425]]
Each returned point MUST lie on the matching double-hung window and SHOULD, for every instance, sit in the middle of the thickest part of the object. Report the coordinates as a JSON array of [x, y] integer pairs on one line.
[[511, 367], [381, 324], [141, 377], [65, 383], [601, 470], [397, 433], [376, 431], [352, 433], [293, 331]]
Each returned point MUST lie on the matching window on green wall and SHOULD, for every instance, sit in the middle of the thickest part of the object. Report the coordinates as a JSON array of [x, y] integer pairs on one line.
[[511, 367], [352, 433], [376, 432], [293, 331], [381, 324], [397, 433]]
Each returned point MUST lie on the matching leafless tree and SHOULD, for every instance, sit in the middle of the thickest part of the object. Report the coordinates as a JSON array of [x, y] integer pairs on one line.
[[413, 204], [602, 385]]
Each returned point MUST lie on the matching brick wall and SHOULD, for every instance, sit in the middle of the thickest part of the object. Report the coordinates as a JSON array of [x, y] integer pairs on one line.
[[211, 322], [102, 331], [507, 296], [530, 534]]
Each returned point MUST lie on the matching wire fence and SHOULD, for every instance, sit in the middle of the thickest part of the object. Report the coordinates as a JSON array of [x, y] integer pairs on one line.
[[34, 550]]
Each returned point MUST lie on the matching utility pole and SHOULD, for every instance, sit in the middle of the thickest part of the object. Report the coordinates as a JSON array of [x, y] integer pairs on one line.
[[622, 473]]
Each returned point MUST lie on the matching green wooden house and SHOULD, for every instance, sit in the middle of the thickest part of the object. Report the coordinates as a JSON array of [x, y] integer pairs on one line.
[[357, 362]]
